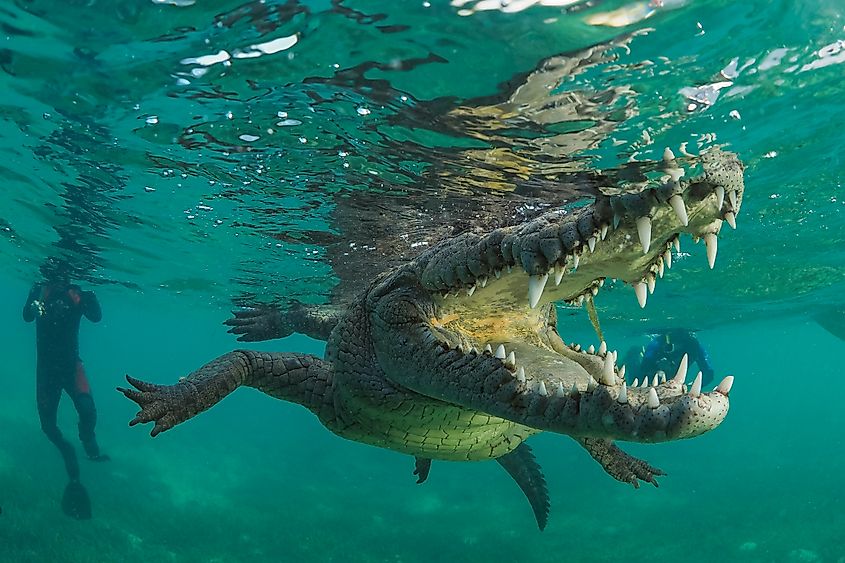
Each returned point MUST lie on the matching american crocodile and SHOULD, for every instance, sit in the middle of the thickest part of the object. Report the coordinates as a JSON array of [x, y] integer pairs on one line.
[[455, 355]]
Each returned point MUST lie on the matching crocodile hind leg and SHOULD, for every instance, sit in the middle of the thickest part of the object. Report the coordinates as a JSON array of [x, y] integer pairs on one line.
[[298, 378], [620, 465]]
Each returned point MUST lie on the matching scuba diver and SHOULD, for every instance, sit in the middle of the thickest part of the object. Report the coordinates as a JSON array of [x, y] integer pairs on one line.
[[664, 353], [57, 306]]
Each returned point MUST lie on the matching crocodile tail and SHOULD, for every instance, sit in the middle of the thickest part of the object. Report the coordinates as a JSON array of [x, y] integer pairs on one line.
[[522, 466]]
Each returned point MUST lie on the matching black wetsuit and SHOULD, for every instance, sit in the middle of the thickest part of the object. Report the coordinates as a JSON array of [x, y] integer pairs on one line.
[[665, 351], [57, 309]]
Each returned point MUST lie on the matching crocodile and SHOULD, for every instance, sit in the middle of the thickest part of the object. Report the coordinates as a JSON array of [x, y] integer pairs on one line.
[[455, 355]]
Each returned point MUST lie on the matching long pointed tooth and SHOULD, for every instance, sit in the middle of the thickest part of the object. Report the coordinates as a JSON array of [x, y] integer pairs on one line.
[[645, 382], [660, 270], [541, 389], [668, 155], [731, 219], [623, 394], [616, 219], [695, 391], [483, 281], [621, 373], [574, 393], [591, 243], [644, 230], [536, 284], [725, 386], [607, 375], [471, 290], [720, 197], [711, 242], [497, 273], [667, 258], [591, 349], [559, 271], [510, 361], [653, 400], [636, 382], [500, 352], [520, 374], [681, 375], [642, 293], [603, 231], [677, 203], [559, 392], [655, 381], [591, 384], [650, 283], [677, 243], [732, 199], [488, 349], [662, 376], [602, 348], [576, 259]]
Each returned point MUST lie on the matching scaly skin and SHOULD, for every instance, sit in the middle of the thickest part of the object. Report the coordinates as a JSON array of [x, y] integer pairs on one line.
[[456, 356]]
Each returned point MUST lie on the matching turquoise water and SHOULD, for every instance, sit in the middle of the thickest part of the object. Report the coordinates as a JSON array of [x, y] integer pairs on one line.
[[182, 183]]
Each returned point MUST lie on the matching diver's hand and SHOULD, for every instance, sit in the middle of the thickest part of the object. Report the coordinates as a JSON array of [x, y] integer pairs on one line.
[[259, 323]]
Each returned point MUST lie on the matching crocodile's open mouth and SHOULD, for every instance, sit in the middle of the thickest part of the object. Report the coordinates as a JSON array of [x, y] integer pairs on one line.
[[496, 298]]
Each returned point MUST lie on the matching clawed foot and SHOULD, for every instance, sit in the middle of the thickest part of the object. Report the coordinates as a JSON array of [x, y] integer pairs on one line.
[[163, 404], [620, 465], [256, 324]]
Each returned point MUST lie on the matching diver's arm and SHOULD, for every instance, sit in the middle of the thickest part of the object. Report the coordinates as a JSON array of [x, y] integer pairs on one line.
[[29, 309], [649, 362], [91, 307]]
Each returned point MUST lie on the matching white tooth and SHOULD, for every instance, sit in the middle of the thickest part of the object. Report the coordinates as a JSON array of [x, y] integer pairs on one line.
[[696, 386], [667, 258], [655, 381], [483, 281], [488, 349], [677, 203], [725, 386], [580, 300], [615, 355], [511, 359], [677, 243], [622, 373], [668, 155], [603, 232], [602, 348], [470, 291], [474, 350], [731, 219], [653, 400], [645, 382], [601, 282], [520, 374], [732, 199], [500, 352], [711, 242], [497, 273], [591, 349], [660, 270], [591, 384], [681, 375], [636, 382], [720, 197], [662, 376], [535, 289], [558, 273], [572, 392], [559, 392], [650, 282], [695, 239], [576, 259], [616, 220], [644, 230], [607, 376], [541, 389], [594, 290], [641, 291], [623, 394]]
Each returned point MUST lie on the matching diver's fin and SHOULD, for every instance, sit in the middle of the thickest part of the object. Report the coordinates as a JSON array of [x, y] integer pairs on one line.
[[421, 468], [521, 465], [75, 502]]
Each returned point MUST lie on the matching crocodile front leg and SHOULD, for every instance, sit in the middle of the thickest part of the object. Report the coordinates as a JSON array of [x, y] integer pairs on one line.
[[620, 465], [298, 378]]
